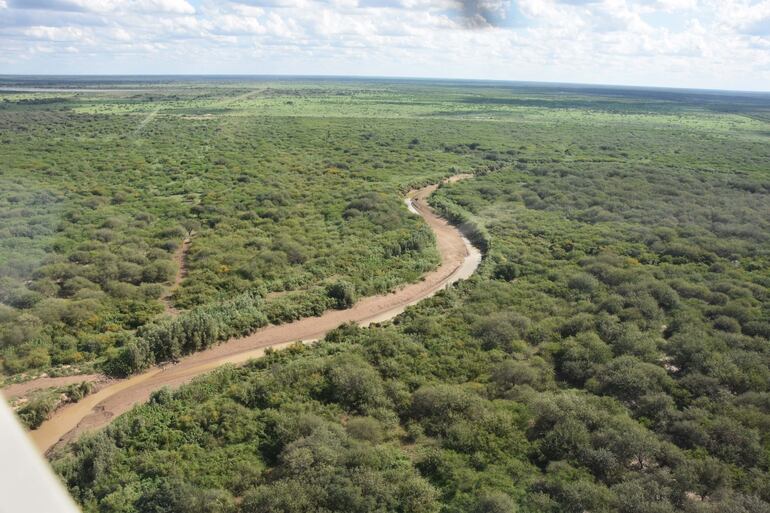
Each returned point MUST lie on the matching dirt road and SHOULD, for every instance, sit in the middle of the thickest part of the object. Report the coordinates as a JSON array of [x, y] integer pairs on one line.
[[180, 258], [459, 259]]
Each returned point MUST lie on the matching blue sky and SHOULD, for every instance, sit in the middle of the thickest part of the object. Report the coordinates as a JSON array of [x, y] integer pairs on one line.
[[679, 43]]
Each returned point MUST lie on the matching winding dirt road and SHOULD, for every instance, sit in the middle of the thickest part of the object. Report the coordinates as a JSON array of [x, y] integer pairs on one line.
[[459, 259]]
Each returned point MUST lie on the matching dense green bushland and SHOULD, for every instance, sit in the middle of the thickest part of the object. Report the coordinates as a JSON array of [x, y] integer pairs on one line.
[[96, 204], [612, 354]]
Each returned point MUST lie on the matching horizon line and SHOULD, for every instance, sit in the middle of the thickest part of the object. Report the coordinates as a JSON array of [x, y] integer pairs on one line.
[[385, 77]]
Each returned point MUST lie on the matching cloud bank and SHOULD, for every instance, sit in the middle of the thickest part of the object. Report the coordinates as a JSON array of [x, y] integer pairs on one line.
[[688, 43]]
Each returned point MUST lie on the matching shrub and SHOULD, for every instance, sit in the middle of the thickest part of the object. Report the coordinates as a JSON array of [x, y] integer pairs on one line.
[[579, 358], [365, 428], [583, 283], [495, 502], [628, 379], [136, 355], [506, 271], [437, 407], [500, 330], [728, 324], [354, 384], [36, 411], [343, 294]]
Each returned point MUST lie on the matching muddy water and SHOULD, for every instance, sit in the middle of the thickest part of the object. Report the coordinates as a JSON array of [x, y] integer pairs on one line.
[[459, 259]]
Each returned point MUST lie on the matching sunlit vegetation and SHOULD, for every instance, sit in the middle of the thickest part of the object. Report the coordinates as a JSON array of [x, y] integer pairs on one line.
[[96, 205], [612, 354], [36, 408]]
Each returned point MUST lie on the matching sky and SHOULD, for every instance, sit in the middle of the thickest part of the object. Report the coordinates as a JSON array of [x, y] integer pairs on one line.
[[715, 44]]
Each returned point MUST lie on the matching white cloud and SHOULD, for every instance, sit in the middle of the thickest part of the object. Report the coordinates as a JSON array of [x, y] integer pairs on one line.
[[164, 6], [106, 6], [746, 17], [119, 34], [677, 5], [712, 43], [69, 34], [233, 25]]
